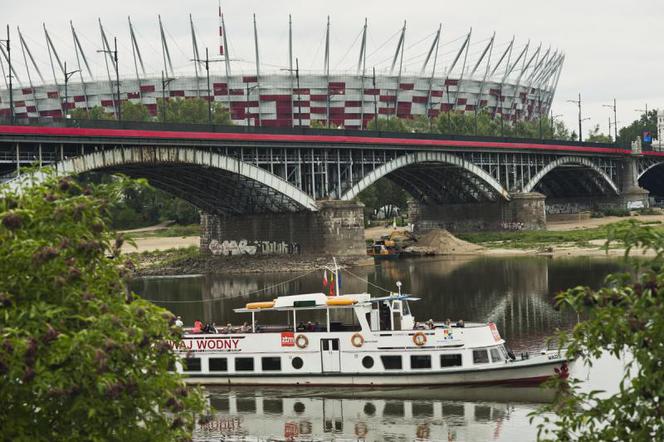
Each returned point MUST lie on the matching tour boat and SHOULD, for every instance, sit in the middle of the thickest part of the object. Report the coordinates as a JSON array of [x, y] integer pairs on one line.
[[359, 340]]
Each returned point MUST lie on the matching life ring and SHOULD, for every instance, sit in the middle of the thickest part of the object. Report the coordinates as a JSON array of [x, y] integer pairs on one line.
[[357, 340], [301, 341], [419, 339]]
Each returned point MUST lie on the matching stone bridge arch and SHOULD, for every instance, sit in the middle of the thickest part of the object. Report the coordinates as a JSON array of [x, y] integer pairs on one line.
[[571, 160], [411, 159], [215, 183]]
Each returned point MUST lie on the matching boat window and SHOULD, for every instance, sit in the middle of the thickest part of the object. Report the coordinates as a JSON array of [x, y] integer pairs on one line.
[[450, 360], [273, 406], [192, 364], [246, 404], [220, 403], [218, 364], [423, 409], [395, 409], [496, 355], [367, 362], [271, 363], [420, 361], [326, 344], [244, 364], [392, 362], [335, 344], [406, 308], [297, 363], [480, 357]]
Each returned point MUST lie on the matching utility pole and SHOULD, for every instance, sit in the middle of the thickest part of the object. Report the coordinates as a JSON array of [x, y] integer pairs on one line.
[[210, 99], [374, 94], [615, 120], [164, 82], [578, 103], [67, 77], [7, 43], [114, 53], [297, 82]]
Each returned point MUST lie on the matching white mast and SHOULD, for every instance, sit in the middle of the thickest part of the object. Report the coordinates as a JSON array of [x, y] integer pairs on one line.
[[24, 49], [164, 50], [326, 69], [258, 71], [136, 52], [362, 67], [197, 57], [107, 55], [53, 53], [290, 67]]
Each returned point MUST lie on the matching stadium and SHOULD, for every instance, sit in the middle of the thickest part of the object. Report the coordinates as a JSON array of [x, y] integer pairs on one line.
[[508, 81]]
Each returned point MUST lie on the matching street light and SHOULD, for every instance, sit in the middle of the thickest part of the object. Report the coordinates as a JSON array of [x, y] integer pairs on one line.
[[114, 52], [249, 89], [207, 62], [578, 103], [7, 43], [67, 77], [164, 82], [297, 79], [553, 119], [615, 120]]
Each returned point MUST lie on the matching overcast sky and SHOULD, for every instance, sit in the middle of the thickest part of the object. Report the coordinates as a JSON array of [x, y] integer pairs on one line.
[[613, 48]]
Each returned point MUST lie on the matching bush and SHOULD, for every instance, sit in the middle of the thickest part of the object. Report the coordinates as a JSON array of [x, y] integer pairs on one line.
[[81, 357]]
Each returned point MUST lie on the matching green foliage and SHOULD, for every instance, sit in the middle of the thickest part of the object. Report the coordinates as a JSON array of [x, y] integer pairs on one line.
[[94, 113], [595, 136], [625, 319], [382, 192], [81, 358], [646, 122], [135, 112], [191, 110]]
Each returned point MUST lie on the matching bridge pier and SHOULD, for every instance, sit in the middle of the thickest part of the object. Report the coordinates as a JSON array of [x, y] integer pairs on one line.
[[525, 211], [335, 229], [632, 196]]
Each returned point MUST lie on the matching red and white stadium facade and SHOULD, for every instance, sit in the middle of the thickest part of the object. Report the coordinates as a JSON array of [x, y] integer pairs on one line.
[[517, 83]]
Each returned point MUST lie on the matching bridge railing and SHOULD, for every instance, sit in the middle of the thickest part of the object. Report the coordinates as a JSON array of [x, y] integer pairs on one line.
[[218, 128]]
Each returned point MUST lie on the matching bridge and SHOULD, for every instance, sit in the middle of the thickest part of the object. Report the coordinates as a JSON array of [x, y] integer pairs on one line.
[[285, 191]]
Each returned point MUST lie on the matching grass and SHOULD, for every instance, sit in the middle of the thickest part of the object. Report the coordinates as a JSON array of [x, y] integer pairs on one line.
[[164, 258], [545, 238]]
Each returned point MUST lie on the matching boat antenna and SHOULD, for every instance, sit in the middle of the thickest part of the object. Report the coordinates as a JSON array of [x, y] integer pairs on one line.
[[336, 277], [399, 287]]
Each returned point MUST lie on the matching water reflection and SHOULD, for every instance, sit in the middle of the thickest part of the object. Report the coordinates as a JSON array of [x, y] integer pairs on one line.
[[275, 415]]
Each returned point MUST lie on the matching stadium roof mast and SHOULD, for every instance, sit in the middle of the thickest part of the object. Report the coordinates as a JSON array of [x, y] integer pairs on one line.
[[24, 49], [165, 53], [449, 70], [362, 68], [463, 67], [326, 70], [197, 58], [108, 55], [398, 53], [52, 53], [524, 68], [136, 52], [78, 49], [489, 48], [258, 75], [223, 51], [434, 50], [499, 99]]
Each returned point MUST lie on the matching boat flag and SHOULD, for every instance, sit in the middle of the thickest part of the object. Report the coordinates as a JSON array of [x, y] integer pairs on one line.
[[332, 284], [325, 278]]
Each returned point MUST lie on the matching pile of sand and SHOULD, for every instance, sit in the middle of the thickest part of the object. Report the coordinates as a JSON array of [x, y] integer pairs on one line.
[[442, 242]]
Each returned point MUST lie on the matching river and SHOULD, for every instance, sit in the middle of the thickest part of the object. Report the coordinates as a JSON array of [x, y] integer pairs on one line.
[[515, 293]]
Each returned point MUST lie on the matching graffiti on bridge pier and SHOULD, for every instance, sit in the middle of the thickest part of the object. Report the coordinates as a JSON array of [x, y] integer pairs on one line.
[[245, 247]]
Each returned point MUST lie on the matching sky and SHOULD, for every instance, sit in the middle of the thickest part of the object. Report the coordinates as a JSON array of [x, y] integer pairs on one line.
[[612, 48]]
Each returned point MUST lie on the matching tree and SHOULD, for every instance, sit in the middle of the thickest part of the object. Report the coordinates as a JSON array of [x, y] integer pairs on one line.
[[625, 317], [595, 136], [381, 193], [135, 112], [94, 113], [191, 110], [645, 122], [81, 357]]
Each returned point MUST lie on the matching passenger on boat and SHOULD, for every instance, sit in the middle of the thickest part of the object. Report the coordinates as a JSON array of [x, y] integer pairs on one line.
[[300, 327], [430, 325], [310, 326], [246, 328], [178, 322], [460, 323], [228, 328], [448, 322], [198, 327], [419, 326], [210, 328], [318, 327]]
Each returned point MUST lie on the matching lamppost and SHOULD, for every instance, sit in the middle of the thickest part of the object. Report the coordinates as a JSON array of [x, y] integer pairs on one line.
[[615, 120], [297, 80], [7, 43], [553, 120], [207, 62], [164, 82], [578, 103], [114, 52], [67, 77], [246, 113]]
